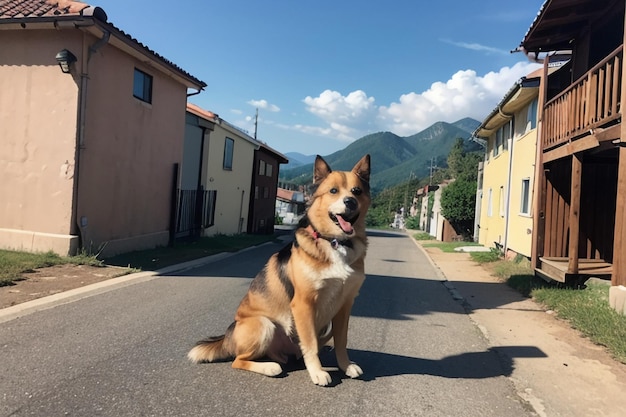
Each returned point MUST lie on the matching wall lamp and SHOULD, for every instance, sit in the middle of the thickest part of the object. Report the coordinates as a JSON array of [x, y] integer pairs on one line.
[[65, 58]]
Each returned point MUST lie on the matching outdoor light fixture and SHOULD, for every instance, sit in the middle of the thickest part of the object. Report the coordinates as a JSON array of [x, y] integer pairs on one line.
[[65, 58]]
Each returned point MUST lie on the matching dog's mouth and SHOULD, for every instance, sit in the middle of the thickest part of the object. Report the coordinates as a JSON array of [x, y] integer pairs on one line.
[[344, 222]]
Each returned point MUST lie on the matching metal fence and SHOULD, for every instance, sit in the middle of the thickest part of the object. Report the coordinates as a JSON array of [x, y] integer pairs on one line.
[[195, 211]]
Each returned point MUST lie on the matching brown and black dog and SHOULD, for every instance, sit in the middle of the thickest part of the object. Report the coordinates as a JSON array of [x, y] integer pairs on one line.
[[304, 295]]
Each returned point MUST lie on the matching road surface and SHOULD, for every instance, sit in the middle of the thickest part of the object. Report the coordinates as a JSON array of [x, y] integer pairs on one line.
[[123, 352]]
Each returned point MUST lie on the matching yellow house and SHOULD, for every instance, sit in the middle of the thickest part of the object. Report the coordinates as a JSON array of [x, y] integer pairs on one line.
[[229, 170], [91, 125], [506, 180]]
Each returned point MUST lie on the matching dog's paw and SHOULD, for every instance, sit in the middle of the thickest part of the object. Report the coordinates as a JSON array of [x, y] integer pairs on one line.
[[354, 371], [270, 368], [320, 377]]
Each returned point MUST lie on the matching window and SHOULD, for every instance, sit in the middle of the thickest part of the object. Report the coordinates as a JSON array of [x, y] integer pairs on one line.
[[498, 143], [503, 134], [229, 148], [490, 203], [261, 167], [268, 170], [501, 201], [256, 192], [142, 86], [532, 115], [525, 202]]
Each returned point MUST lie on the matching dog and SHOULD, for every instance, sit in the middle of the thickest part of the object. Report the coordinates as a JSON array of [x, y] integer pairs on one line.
[[303, 296]]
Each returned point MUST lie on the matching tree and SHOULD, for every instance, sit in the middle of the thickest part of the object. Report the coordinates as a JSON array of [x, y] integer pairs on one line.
[[458, 200]]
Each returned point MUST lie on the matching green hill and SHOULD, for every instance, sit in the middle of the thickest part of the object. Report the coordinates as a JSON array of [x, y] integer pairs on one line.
[[394, 158]]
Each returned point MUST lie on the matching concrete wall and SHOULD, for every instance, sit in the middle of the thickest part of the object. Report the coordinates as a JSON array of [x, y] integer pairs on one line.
[[38, 111], [123, 174], [127, 159], [519, 237]]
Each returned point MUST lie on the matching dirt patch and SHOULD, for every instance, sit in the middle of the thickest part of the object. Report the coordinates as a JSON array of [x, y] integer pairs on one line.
[[55, 279]]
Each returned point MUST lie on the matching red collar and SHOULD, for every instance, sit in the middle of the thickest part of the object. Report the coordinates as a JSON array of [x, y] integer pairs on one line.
[[334, 243]]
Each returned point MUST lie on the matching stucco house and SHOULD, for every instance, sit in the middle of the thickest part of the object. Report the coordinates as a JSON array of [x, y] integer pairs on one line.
[[580, 200], [240, 173], [505, 178], [290, 205], [91, 126]]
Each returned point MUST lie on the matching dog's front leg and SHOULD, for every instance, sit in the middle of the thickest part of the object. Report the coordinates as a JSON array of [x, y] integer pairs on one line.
[[303, 310], [340, 337]]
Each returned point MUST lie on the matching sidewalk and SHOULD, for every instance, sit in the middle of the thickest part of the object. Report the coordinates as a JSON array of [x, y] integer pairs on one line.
[[573, 377]]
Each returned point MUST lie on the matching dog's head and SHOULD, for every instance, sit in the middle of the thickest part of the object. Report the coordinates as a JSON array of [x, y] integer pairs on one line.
[[341, 199]]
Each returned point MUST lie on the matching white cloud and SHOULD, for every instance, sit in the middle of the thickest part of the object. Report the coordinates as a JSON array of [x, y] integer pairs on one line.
[[465, 94], [477, 47], [263, 104]]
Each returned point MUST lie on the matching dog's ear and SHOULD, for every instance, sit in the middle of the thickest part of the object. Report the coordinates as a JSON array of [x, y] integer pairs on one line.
[[321, 170], [362, 168]]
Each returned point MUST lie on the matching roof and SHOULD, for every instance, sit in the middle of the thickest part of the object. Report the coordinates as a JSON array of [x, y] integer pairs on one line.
[[16, 9], [30, 12], [289, 195], [212, 117], [558, 22], [199, 111], [520, 94]]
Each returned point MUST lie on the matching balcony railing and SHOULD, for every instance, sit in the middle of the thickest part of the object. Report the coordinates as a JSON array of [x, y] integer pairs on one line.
[[592, 101]]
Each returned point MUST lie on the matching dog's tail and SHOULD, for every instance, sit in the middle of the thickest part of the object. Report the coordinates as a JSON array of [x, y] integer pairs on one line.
[[209, 350]]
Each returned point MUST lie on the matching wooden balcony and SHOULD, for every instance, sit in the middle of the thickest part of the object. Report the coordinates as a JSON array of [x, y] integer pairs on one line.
[[588, 111]]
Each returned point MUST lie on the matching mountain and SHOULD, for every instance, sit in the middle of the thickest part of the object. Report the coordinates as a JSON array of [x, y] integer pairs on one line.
[[395, 158], [297, 159]]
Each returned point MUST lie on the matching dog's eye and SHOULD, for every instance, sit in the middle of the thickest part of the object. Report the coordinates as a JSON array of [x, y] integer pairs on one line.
[[334, 191], [356, 191]]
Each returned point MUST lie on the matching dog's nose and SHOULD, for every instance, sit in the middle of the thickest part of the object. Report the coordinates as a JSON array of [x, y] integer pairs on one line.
[[350, 203]]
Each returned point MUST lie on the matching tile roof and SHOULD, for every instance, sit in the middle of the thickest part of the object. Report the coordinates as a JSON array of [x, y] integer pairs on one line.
[[24, 10], [11, 9]]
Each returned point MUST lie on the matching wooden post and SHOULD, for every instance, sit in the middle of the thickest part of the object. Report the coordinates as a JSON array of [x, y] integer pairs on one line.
[[574, 213], [618, 277], [539, 186]]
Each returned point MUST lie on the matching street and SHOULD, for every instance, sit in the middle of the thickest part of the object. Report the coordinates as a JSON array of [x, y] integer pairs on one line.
[[123, 352]]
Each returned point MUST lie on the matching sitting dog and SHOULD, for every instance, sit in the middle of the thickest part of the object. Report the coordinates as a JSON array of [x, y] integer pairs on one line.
[[304, 295]]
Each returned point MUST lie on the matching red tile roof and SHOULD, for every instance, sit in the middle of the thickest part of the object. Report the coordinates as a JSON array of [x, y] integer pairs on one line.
[[199, 111], [25, 10], [40, 8]]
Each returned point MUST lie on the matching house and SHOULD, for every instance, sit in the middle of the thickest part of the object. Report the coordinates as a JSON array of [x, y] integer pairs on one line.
[[91, 127], [238, 179], [579, 207], [264, 185], [290, 205], [505, 178], [427, 205]]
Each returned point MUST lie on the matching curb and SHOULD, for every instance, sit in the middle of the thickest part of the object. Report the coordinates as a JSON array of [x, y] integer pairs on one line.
[[65, 297]]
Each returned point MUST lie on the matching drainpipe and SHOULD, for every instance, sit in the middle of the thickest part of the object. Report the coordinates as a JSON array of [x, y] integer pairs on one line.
[[87, 52], [507, 198]]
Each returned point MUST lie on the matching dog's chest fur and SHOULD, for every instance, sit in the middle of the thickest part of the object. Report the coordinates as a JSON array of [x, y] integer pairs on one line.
[[331, 274]]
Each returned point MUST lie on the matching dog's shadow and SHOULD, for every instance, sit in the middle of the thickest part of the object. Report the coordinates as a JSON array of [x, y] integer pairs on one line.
[[494, 362]]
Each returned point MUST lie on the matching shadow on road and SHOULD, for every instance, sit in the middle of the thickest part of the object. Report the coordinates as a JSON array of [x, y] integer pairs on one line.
[[494, 362]]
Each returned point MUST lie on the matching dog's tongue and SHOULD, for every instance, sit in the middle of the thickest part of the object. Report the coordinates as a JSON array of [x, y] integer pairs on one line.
[[345, 225]]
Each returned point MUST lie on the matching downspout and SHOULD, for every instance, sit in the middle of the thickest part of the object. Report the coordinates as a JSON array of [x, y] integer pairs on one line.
[[507, 201], [87, 52]]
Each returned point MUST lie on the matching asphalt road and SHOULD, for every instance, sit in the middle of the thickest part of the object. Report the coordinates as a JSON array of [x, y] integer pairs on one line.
[[123, 353]]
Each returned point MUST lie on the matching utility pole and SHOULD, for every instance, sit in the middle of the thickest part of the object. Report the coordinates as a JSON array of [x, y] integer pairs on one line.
[[433, 167], [256, 121]]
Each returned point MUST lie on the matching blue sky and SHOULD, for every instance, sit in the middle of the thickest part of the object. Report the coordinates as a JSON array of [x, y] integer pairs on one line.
[[326, 73]]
